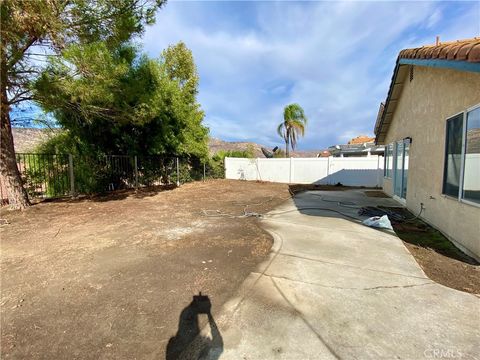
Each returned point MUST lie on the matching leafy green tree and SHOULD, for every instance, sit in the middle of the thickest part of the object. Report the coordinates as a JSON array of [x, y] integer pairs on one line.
[[222, 154], [120, 102], [33, 30], [217, 161], [180, 67], [116, 102], [294, 123]]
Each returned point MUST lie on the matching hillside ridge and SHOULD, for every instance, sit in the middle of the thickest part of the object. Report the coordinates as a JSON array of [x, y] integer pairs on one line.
[[27, 139]]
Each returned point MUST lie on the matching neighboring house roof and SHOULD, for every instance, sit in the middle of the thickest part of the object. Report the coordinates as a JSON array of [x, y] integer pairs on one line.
[[359, 149], [362, 139], [463, 55]]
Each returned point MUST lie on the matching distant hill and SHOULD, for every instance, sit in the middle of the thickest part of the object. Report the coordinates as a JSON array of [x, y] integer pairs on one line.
[[216, 145], [27, 139]]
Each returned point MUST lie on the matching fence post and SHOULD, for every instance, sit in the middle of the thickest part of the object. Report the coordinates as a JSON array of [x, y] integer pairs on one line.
[[178, 173], [136, 172], [72, 176], [203, 171], [291, 170]]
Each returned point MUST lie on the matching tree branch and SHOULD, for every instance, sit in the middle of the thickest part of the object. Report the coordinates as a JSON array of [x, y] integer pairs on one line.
[[12, 102], [22, 51]]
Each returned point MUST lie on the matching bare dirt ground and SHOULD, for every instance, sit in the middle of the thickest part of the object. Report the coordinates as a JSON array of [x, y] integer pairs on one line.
[[108, 277], [457, 274], [297, 188], [439, 258]]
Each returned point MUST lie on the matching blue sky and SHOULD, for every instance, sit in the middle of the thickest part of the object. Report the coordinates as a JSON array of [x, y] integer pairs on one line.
[[333, 58]]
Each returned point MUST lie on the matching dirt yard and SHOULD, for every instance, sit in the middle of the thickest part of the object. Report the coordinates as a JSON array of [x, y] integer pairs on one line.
[[113, 277], [108, 277], [439, 258]]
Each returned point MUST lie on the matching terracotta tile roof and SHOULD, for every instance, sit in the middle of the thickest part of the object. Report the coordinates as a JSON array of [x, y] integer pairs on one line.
[[461, 50], [462, 55], [362, 139]]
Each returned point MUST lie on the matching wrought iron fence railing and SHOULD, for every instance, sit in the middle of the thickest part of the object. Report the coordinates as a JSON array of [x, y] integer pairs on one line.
[[57, 175], [44, 175]]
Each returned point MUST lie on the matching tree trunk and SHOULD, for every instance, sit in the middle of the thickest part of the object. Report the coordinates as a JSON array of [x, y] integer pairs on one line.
[[287, 145], [17, 196]]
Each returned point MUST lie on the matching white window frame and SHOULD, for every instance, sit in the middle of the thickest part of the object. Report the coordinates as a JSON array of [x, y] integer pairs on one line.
[[462, 159], [388, 166], [408, 141]]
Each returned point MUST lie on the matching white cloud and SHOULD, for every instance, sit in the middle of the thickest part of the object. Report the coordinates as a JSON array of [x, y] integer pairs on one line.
[[334, 59]]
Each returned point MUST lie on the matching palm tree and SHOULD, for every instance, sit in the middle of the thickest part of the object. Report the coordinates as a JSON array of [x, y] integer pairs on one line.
[[294, 122]]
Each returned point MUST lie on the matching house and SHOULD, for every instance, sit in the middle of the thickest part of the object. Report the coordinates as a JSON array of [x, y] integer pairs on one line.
[[324, 153], [430, 126], [362, 139], [360, 146]]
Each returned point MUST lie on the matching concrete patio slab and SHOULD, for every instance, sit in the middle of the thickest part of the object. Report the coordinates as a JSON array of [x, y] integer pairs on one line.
[[334, 288]]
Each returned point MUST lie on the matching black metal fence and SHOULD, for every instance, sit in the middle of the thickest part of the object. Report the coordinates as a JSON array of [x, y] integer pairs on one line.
[[57, 175], [44, 175]]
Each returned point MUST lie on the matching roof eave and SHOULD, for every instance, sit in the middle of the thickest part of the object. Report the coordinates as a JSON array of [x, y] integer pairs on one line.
[[397, 81], [382, 128], [446, 64]]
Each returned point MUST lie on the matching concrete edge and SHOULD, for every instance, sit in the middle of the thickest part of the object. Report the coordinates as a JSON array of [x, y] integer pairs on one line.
[[229, 308]]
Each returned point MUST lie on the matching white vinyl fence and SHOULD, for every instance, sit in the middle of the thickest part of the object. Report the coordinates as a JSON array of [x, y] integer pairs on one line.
[[350, 171]]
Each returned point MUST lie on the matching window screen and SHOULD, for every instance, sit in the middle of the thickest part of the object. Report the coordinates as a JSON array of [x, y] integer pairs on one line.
[[453, 156], [471, 172]]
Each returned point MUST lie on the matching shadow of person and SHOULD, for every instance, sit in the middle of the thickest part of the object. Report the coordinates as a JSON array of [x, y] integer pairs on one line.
[[189, 343]]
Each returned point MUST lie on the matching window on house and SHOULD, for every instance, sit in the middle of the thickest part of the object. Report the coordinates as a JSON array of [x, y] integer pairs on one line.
[[471, 172], [387, 171], [462, 156], [453, 156]]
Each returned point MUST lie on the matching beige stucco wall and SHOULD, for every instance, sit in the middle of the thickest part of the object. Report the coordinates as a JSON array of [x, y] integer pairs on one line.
[[424, 106]]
